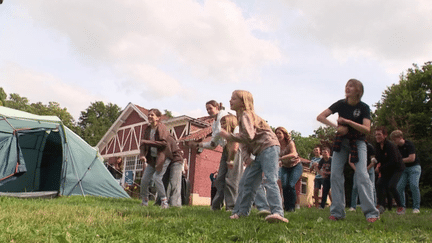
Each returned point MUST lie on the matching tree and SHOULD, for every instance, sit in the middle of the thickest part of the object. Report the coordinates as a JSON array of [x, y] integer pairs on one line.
[[54, 109], [407, 106], [326, 135], [3, 96], [17, 102], [95, 121], [304, 145], [168, 114]]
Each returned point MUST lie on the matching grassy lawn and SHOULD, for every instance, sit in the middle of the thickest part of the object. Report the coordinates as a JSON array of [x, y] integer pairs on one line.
[[90, 219]]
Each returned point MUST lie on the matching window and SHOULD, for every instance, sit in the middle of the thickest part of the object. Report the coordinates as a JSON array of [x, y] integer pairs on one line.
[[134, 164], [303, 189]]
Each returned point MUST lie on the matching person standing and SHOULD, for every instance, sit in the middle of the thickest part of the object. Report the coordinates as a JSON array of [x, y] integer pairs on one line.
[[224, 191], [259, 140], [324, 168], [391, 169], [318, 181], [152, 151], [352, 125], [412, 172], [291, 169]]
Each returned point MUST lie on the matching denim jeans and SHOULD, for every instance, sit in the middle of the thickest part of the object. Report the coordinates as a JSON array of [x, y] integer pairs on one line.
[[410, 175], [289, 178], [174, 185], [261, 202], [325, 191], [266, 162], [354, 193], [151, 173], [361, 177]]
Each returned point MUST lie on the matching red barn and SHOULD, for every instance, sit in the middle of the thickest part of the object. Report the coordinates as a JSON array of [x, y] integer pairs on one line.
[[123, 137]]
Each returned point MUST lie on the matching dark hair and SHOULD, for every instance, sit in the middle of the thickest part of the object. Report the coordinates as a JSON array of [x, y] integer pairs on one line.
[[326, 148], [156, 112], [383, 129], [214, 103]]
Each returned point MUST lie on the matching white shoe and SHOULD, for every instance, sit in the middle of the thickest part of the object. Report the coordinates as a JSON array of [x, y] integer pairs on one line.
[[351, 209], [416, 210], [144, 203], [297, 206], [164, 203], [276, 218]]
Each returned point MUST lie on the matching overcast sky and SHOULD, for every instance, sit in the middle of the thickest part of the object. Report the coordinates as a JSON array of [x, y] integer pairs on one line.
[[293, 56]]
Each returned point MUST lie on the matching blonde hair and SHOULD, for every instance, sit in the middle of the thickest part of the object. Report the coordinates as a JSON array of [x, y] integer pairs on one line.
[[231, 122], [248, 106], [396, 134], [287, 135], [359, 87]]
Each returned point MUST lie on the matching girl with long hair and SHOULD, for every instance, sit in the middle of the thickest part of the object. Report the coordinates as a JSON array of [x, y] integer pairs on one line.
[[258, 139], [291, 169]]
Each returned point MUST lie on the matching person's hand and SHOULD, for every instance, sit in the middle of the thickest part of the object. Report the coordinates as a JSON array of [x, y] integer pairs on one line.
[[342, 121], [143, 159], [342, 130], [230, 164], [248, 162], [192, 144]]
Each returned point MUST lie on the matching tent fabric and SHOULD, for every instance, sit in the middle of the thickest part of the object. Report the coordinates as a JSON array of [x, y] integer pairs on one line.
[[39, 153]]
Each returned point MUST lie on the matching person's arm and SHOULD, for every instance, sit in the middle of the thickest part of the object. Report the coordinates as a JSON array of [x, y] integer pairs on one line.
[[352, 165], [291, 155], [216, 129], [247, 130], [409, 159], [323, 118], [363, 128], [411, 151]]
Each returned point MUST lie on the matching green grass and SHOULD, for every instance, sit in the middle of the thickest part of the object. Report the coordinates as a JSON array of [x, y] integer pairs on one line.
[[91, 219]]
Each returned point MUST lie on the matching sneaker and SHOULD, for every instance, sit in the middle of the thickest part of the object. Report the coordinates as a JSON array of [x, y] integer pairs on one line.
[[144, 203], [235, 216], [264, 213], [276, 218], [381, 209], [351, 209], [416, 210], [372, 220], [297, 206], [333, 218], [164, 203], [400, 211]]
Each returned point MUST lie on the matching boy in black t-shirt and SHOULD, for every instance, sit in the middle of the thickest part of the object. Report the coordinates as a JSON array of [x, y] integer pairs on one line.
[[324, 168], [412, 172]]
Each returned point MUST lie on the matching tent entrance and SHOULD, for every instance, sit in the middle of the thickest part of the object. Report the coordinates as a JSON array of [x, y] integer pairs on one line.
[[43, 157]]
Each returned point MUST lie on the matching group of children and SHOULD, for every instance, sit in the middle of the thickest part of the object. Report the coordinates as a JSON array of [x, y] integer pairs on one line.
[[248, 140]]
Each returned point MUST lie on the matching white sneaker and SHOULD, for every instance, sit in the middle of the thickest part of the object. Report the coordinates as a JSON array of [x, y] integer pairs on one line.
[[351, 209], [144, 203], [297, 206], [416, 210], [276, 218], [164, 203]]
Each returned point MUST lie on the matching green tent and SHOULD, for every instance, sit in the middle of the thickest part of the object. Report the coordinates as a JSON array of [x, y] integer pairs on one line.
[[40, 154]]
